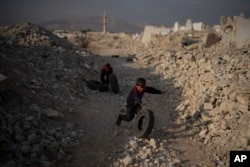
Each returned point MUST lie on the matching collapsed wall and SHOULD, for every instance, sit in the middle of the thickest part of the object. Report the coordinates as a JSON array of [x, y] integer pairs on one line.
[[149, 30], [241, 31], [236, 30]]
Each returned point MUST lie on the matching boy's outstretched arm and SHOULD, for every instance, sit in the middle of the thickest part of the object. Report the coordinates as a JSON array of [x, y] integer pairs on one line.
[[153, 90]]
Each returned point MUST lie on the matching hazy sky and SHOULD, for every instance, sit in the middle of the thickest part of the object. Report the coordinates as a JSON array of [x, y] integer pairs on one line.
[[156, 12]]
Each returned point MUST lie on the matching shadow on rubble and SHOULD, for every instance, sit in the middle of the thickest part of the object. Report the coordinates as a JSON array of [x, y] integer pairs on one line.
[[171, 127], [39, 77], [44, 74]]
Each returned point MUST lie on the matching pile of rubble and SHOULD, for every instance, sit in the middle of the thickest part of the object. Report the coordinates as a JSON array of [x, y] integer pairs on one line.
[[43, 78], [143, 152], [216, 94], [215, 98], [216, 91]]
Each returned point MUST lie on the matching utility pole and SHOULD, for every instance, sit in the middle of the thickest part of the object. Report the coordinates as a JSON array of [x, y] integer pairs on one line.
[[104, 22]]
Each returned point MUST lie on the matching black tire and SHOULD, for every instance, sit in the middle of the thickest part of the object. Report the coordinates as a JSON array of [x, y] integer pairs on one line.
[[144, 123], [115, 56], [131, 57], [114, 83], [96, 85]]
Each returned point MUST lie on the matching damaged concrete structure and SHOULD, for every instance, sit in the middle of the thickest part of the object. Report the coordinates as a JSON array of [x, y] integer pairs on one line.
[[189, 24], [233, 31], [241, 31], [236, 31], [149, 30], [198, 26], [163, 31], [210, 39]]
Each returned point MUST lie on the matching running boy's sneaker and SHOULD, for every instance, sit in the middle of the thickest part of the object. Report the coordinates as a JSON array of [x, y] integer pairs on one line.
[[118, 121]]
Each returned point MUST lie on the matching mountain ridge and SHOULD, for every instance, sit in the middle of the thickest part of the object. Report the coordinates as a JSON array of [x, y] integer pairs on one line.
[[93, 23]]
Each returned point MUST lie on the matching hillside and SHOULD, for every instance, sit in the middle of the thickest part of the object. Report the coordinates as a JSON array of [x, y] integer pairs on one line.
[[94, 23]]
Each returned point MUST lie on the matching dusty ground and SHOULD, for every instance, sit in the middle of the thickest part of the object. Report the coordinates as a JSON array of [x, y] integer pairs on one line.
[[104, 141]]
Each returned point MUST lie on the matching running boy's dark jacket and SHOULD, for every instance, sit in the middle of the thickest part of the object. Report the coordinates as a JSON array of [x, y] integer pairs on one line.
[[104, 72], [135, 96]]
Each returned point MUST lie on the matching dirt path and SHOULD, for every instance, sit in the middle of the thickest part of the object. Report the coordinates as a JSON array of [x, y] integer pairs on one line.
[[104, 141]]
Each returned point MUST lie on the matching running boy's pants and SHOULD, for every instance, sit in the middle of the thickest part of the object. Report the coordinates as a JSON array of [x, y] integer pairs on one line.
[[130, 112]]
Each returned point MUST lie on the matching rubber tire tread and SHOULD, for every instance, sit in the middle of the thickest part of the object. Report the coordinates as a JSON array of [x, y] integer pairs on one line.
[[96, 85], [114, 83], [148, 115]]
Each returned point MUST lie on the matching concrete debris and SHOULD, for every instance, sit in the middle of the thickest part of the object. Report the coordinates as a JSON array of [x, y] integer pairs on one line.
[[207, 87]]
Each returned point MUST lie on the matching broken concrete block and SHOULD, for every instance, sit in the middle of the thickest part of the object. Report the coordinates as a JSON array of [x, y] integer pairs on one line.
[[211, 39], [208, 106], [242, 99], [241, 31]]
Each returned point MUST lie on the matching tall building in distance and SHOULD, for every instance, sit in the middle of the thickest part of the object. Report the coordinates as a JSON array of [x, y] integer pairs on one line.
[[104, 21]]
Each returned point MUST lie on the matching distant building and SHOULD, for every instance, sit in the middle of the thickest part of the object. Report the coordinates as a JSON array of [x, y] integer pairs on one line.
[[189, 24], [236, 30], [198, 26], [176, 26], [149, 30]]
